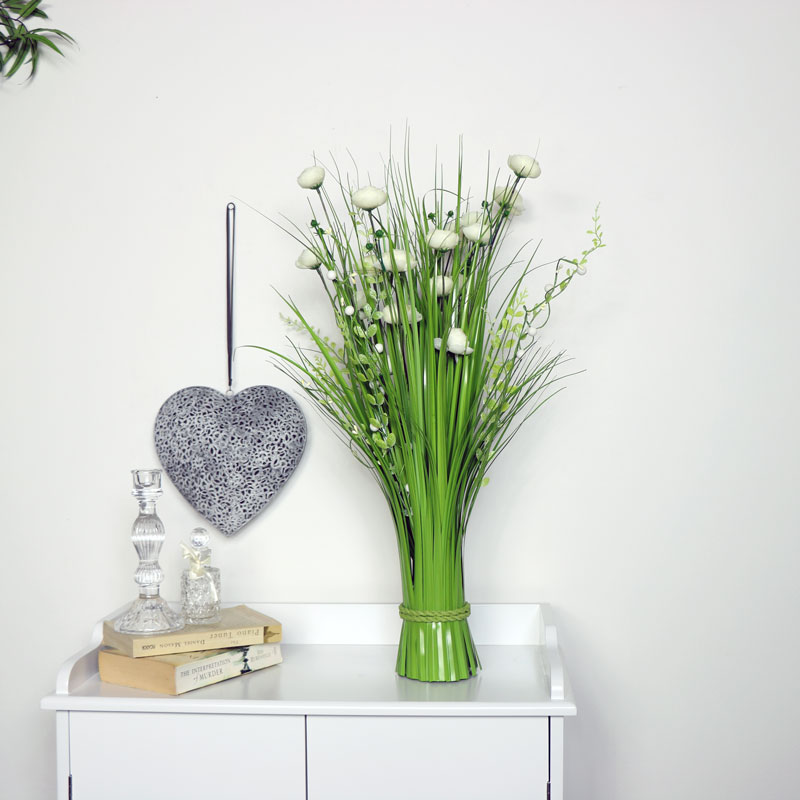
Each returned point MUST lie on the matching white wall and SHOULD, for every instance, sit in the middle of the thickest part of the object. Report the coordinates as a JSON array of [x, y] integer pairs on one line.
[[652, 503]]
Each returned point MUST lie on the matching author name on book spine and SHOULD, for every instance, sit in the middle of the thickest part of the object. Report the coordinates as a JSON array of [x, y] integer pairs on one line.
[[202, 640]]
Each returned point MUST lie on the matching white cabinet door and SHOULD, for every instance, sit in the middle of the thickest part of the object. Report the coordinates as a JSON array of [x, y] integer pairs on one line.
[[427, 758], [132, 756]]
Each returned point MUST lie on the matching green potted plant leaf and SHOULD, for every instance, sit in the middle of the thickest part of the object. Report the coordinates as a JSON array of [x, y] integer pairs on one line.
[[19, 42]]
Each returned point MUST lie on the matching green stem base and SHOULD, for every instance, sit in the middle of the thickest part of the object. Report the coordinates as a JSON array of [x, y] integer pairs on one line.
[[437, 651]]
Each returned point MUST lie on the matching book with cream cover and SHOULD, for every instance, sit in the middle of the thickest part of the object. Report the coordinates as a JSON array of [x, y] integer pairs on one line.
[[182, 672], [238, 626]]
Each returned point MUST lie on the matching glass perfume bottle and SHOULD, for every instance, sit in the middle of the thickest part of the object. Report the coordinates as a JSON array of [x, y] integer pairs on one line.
[[149, 613], [200, 583]]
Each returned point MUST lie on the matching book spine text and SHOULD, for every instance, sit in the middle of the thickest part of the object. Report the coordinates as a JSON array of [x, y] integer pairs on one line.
[[225, 665], [210, 640]]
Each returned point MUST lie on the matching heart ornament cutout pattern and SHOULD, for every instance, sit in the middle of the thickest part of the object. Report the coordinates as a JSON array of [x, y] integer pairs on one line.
[[229, 455]]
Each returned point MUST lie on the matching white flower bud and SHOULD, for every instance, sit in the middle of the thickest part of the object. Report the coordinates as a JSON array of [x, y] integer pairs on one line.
[[332, 274], [369, 198], [478, 232], [311, 177], [456, 343], [379, 347], [517, 207], [438, 239], [349, 310], [370, 263], [442, 285], [524, 166], [402, 261], [509, 200], [470, 218], [502, 194], [391, 314], [307, 260]]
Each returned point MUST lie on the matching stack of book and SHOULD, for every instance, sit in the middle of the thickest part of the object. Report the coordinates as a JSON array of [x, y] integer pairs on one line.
[[243, 641]]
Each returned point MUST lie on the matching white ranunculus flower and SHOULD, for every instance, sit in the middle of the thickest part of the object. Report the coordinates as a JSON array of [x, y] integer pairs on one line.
[[402, 260], [311, 177], [369, 198], [442, 285], [478, 232], [307, 260], [456, 343], [517, 207], [470, 218], [370, 264], [524, 166], [511, 201], [503, 194], [438, 239], [392, 314]]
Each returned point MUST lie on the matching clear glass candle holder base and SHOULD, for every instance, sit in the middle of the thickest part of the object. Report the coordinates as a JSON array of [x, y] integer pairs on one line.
[[149, 615]]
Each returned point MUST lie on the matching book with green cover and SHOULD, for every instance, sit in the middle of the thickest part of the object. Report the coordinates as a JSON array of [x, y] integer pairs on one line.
[[182, 672], [238, 626]]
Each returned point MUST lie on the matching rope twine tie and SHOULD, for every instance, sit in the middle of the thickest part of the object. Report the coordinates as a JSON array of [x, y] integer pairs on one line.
[[450, 615]]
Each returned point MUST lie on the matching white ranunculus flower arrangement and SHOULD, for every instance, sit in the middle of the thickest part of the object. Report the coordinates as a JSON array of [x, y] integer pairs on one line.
[[438, 365]]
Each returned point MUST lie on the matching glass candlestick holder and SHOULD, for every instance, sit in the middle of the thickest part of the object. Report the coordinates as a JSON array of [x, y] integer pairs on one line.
[[149, 613]]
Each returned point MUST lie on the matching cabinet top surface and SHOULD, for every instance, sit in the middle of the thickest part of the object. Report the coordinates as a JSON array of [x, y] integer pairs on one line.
[[347, 679]]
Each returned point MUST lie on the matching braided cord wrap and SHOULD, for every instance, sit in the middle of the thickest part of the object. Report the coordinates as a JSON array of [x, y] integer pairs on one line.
[[451, 615]]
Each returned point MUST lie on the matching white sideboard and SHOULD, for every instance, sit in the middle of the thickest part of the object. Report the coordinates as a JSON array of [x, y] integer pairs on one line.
[[332, 722]]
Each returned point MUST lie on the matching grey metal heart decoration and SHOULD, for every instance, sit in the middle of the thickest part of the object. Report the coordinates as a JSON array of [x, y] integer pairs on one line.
[[229, 455]]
